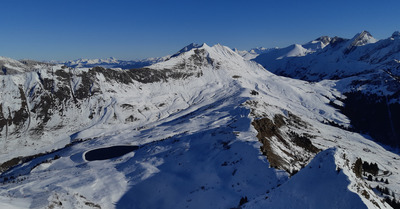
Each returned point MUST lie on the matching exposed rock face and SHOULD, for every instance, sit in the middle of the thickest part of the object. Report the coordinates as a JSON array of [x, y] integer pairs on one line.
[[282, 146]]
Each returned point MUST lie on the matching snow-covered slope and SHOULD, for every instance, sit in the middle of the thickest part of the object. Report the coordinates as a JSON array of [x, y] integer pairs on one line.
[[199, 120], [10, 66], [186, 49], [295, 50], [268, 57], [252, 53], [318, 185]]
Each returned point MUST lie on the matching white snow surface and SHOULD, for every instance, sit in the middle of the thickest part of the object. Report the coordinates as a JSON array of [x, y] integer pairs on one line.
[[318, 185], [198, 148], [252, 53]]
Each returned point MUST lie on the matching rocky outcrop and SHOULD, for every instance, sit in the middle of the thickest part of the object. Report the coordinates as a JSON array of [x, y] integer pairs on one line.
[[284, 149]]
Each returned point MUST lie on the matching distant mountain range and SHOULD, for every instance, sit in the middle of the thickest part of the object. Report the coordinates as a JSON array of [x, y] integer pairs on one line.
[[336, 58], [112, 63]]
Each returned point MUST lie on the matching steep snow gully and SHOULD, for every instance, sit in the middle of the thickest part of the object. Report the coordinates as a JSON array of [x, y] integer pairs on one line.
[[204, 128]]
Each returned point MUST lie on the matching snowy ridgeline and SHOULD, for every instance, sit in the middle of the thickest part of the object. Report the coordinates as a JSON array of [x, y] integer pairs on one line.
[[199, 120], [330, 57]]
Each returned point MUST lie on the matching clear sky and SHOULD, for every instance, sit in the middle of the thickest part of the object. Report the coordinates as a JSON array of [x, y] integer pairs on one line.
[[71, 29]]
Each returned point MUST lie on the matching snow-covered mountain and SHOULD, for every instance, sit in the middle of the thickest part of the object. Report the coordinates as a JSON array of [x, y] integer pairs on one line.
[[209, 129], [365, 70], [338, 58], [295, 50]]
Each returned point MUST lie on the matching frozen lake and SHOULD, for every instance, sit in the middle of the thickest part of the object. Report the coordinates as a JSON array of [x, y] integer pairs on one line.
[[109, 152]]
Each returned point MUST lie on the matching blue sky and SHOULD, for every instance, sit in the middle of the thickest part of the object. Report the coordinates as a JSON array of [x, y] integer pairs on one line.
[[71, 29]]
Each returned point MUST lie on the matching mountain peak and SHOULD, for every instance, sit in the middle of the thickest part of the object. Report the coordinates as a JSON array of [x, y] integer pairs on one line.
[[360, 39], [216, 56], [191, 46], [363, 38], [324, 39], [188, 48], [396, 34]]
